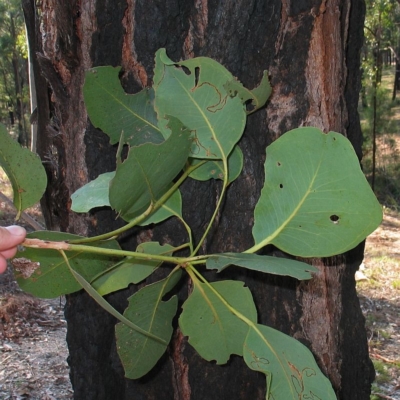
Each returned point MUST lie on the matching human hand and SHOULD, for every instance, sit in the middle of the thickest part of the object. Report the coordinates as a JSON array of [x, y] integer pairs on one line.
[[10, 238]]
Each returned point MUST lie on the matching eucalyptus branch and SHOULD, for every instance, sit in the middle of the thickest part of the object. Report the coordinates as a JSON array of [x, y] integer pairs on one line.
[[65, 246], [116, 232], [182, 246], [150, 210]]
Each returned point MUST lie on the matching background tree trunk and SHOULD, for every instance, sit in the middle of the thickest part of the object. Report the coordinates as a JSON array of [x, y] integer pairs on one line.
[[312, 51]]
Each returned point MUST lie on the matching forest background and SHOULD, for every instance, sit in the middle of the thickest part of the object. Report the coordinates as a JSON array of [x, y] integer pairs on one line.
[[379, 109]]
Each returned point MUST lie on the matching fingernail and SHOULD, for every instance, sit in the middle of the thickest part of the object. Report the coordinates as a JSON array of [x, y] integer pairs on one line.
[[16, 230]]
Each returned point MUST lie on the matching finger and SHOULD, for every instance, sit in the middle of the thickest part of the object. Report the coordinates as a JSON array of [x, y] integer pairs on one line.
[[8, 253], [3, 264], [11, 236]]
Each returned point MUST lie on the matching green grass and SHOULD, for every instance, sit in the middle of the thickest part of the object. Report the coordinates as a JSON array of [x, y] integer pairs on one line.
[[384, 334], [382, 372], [382, 271], [375, 389], [396, 284]]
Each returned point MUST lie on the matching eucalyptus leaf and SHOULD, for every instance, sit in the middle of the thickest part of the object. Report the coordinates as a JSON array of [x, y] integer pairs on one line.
[[146, 308], [316, 201], [257, 97], [93, 194], [109, 308], [118, 114], [50, 275], [130, 270], [24, 170], [172, 207], [214, 169], [268, 264], [148, 171], [213, 330], [289, 366], [200, 101]]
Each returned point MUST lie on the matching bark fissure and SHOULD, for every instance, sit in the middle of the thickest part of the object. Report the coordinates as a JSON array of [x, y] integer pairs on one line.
[[129, 56], [322, 305], [86, 25], [180, 366], [197, 28], [326, 72]]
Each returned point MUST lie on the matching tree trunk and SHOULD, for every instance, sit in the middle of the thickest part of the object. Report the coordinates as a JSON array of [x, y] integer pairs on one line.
[[312, 51]]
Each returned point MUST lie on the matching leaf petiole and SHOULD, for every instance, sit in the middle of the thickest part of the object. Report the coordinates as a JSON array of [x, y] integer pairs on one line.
[[117, 232], [218, 206]]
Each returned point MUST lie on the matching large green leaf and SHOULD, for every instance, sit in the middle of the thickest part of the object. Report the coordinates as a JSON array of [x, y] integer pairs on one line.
[[148, 171], [213, 330], [316, 201], [289, 366], [130, 270], [138, 352], [25, 171], [93, 194], [118, 114], [214, 169], [268, 264], [197, 97], [50, 275]]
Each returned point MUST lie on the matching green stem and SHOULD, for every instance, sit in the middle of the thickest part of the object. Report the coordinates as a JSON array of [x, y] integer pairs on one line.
[[221, 197], [187, 227], [189, 232], [255, 248], [134, 254], [118, 231], [124, 253], [115, 266], [198, 262], [45, 244], [152, 208], [182, 246]]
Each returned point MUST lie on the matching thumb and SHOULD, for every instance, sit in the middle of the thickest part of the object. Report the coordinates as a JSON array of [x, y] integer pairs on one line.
[[11, 236], [16, 230]]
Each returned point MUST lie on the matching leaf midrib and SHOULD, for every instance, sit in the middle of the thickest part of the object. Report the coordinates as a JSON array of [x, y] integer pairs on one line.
[[269, 239], [117, 100], [210, 127]]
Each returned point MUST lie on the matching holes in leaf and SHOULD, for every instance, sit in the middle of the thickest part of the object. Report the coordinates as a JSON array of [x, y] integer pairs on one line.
[[186, 70], [196, 76], [249, 105], [278, 164], [281, 186], [334, 218]]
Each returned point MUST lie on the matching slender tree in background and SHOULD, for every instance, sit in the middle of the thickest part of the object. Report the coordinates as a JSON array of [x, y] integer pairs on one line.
[[381, 40], [14, 85], [312, 51]]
